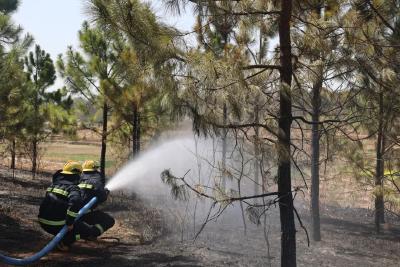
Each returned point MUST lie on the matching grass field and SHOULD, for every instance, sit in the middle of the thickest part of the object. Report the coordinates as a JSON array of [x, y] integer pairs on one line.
[[53, 155], [59, 153]]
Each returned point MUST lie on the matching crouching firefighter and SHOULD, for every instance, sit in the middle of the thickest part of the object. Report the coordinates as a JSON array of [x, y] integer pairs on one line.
[[61, 206], [92, 184]]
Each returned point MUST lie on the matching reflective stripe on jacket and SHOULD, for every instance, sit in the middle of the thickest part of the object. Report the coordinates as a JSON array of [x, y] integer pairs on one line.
[[62, 201], [85, 186], [92, 185]]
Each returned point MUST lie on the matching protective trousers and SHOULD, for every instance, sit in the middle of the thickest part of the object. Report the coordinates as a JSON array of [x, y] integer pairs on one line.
[[90, 226], [99, 219]]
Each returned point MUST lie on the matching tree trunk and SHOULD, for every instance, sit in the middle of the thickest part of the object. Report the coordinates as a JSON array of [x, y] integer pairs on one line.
[[315, 148], [135, 132], [288, 238], [316, 104], [224, 136], [34, 157], [35, 138], [256, 155], [104, 142], [379, 170], [13, 154]]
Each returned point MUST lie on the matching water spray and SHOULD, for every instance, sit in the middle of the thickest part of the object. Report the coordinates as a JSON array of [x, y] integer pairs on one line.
[[143, 173]]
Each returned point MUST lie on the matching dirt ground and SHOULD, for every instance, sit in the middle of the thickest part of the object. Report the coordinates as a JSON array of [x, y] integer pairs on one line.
[[144, 235]]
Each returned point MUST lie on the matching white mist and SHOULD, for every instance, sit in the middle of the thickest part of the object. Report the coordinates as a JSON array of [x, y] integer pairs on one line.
[[142, 175], [201, 157]]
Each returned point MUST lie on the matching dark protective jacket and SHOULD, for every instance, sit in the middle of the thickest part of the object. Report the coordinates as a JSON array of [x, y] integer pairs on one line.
[[62, 201], [92, 185]]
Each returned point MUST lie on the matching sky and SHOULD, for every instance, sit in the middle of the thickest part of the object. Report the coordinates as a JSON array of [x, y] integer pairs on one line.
[[54, 24]]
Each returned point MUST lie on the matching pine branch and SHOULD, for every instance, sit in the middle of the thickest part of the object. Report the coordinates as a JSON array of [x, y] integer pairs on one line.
[[322, 122], [302, 226], [395, 184], [261, 66], [226, 200], [244, 125], [387, 24]]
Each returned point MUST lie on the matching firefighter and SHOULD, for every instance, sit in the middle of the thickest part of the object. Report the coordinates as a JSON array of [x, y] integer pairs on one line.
[[61, 206], [92, 184]]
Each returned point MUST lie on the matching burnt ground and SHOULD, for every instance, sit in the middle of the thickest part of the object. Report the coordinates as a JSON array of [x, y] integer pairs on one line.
[[144, 235]]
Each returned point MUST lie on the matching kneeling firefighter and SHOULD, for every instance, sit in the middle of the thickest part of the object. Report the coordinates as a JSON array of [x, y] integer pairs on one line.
[[92, 184], [61, 206]]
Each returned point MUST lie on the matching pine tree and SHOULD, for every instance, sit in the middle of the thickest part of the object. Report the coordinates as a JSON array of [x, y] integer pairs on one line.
[[8, 6], [9, 33], [13, 81], [322, 67], [46, 111], [373, 47], [237, 79], [89, 75], [145, 64], [12, 94]]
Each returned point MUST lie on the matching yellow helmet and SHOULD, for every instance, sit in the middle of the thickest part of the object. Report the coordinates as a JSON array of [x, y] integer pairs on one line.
[[72, 167], [90, 165]]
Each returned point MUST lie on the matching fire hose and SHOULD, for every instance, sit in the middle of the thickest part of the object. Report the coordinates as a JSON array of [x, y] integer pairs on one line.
[[50, 246]]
